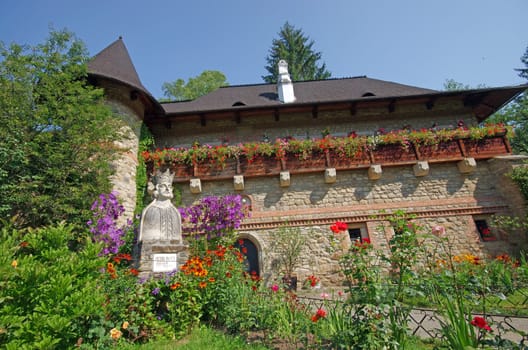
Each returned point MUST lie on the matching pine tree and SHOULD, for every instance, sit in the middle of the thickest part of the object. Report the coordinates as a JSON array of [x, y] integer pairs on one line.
[[296, 49], [516, 114]]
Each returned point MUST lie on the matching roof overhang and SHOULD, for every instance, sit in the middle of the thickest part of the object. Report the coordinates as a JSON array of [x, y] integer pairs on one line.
[[482, 103]]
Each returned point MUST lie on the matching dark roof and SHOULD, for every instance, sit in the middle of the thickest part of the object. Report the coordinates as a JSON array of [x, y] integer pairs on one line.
[[115, 63], [317, 91]]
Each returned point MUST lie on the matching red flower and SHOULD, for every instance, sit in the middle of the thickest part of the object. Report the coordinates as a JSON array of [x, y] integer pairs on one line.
[[312, 280], [318, 315], [366, 240], [134, 272], [339, 226], [481, 323]]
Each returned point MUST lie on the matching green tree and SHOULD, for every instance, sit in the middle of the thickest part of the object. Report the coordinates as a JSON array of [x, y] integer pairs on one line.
[[516, 114], [523, 72], [56, 133], [453, 85], [296, 49], [207, 82]]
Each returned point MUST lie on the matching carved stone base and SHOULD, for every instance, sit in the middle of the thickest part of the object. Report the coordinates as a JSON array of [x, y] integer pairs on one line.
[[158, 257]]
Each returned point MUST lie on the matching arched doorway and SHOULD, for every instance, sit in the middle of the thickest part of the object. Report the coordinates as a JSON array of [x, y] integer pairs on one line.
[[249, 249]]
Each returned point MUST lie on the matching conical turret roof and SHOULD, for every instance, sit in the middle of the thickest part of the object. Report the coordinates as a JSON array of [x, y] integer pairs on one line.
[[115, 63]]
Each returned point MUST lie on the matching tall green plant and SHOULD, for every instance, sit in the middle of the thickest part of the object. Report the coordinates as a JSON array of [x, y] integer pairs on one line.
[[287, 245], [146, 142]]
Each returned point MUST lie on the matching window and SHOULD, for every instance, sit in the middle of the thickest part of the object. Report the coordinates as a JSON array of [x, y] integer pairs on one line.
[[247, 206], [484, 231], [354, 234], [357, 233]]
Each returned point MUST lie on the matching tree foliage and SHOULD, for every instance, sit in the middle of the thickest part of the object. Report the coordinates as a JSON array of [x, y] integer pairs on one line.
[[516, 114], [296, 49], [453, 85], [56, 133], [523, 72], [207, 82]]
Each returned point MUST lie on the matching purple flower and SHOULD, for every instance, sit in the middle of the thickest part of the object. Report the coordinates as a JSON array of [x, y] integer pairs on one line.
[[155, 291], [213, 216], [106, 210]]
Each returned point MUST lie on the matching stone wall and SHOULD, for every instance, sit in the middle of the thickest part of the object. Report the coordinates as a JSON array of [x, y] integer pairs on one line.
[[444, 197], [125, 165], [304, 125]]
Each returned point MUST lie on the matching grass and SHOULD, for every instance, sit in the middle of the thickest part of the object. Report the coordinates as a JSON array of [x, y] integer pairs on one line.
[[205, 338], [201, 338]]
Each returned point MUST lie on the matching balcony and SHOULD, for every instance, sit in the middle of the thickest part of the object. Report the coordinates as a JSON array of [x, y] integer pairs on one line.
[[308, 156]]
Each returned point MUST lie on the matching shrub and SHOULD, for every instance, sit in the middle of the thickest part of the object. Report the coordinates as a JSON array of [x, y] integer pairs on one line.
[[49, 293]]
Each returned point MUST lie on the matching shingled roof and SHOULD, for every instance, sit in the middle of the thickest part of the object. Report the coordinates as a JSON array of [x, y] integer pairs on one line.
[[114, 63], [317, 91]]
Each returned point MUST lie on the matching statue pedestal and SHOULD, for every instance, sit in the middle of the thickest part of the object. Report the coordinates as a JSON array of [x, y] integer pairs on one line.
[[161, 256]]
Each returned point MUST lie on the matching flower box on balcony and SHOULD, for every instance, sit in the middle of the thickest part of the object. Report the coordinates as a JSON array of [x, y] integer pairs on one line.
[[316, 161], [342, 162], [214, 169], [486, 147], [259, 166], [393, 154], [182, 171], [445, 150], [300, 156]]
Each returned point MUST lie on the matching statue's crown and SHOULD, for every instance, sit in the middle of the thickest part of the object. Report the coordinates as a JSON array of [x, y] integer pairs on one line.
[[163, 177]]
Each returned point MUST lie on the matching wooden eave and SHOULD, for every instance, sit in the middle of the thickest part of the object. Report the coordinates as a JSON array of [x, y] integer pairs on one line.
[[481, 102]]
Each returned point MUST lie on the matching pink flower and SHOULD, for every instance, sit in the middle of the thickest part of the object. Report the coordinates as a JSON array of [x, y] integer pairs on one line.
[[438, 231], [274, 287], [325, 295]]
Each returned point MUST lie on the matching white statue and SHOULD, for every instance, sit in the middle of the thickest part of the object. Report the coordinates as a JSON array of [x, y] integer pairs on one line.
[[161, 220]]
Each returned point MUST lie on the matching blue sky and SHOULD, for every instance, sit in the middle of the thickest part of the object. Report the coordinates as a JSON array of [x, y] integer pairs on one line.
[[415, 42]]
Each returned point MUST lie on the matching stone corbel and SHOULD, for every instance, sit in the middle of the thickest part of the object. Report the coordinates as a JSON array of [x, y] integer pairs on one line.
[[196, 186], [238, 182], [330, 175], [421, 168], [467, 165], [374, 172], [284, 178]]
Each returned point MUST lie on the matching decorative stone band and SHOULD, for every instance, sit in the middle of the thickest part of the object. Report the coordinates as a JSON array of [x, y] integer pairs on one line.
[[273, 222]]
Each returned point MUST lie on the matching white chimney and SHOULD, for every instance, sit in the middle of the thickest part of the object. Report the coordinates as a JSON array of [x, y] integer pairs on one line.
[[284, 84]]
